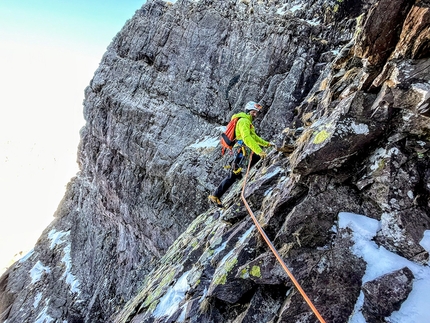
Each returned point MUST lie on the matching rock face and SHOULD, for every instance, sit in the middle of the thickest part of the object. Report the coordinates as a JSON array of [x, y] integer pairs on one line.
[[385, 294], [345, 86]]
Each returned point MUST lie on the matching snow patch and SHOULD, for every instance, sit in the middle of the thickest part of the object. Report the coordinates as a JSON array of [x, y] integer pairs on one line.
[[37, 299], [240, 241], [43, 317], [380, 262], [221, 128], [360, 224], [181, 317], [220, 248], [296, 7], [169, 303], [207, 142], [425, 242], [205, 292], [284, 9], [357, 316], [274, 172], [246, 235], [56, 237], [396, 232], [423, 89], [70, 278], [313, 22], [27, 256], [411, 195], [268, 192], [37, 271], [323, 264], [379, 154], [360, 129]]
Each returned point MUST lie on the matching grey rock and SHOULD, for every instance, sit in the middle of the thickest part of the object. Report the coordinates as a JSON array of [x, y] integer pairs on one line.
[[385, 294]]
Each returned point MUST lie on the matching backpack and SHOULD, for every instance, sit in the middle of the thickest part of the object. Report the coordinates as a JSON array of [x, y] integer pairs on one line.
[[228, 138]]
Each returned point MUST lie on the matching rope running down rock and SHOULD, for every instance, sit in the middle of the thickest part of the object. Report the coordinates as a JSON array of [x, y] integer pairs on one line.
[[275, 252]]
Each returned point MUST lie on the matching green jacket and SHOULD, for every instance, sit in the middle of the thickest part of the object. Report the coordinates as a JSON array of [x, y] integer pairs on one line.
[[245, 131]]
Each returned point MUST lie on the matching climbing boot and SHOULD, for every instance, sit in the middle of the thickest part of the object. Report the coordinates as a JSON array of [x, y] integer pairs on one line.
[[215, 200]]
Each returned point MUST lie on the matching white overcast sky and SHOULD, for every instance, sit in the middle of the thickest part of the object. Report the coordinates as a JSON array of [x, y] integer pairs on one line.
[[49, 51]]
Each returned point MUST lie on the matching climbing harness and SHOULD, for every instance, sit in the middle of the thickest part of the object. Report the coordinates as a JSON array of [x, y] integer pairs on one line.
[[275, 252], [239, 158], [238, 162]]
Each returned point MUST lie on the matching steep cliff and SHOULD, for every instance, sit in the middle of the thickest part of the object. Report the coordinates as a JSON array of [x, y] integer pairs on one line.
[[345, 86]]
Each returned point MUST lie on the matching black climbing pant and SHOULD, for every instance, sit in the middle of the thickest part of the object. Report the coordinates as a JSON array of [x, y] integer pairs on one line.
[[232, 177]]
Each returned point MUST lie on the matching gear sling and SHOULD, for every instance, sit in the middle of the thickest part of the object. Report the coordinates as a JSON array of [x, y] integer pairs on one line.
[[241, 153]]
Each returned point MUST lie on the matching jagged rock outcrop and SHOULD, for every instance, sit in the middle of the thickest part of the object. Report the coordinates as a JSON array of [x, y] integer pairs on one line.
[[385, 294], [345, 85]]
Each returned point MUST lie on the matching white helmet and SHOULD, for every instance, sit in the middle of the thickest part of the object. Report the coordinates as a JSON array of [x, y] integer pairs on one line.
[[251, 105]]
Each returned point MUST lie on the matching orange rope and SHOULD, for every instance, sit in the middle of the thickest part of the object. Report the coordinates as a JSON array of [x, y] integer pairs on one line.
[[275, 252]]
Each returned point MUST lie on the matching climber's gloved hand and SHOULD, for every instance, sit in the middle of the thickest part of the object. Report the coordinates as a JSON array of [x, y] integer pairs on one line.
[[263, 155]]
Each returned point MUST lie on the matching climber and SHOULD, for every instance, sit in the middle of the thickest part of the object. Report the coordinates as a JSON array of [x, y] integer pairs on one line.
[[247, 141]]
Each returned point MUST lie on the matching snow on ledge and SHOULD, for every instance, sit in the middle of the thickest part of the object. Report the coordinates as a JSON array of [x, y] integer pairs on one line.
[[27, 256], [364, 227], [43, 317], [37, 272], [56, 237], [169, 303], [37, 299], [207, 142], [70, 278], [284, 9], [381, 261], [425, 242]]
